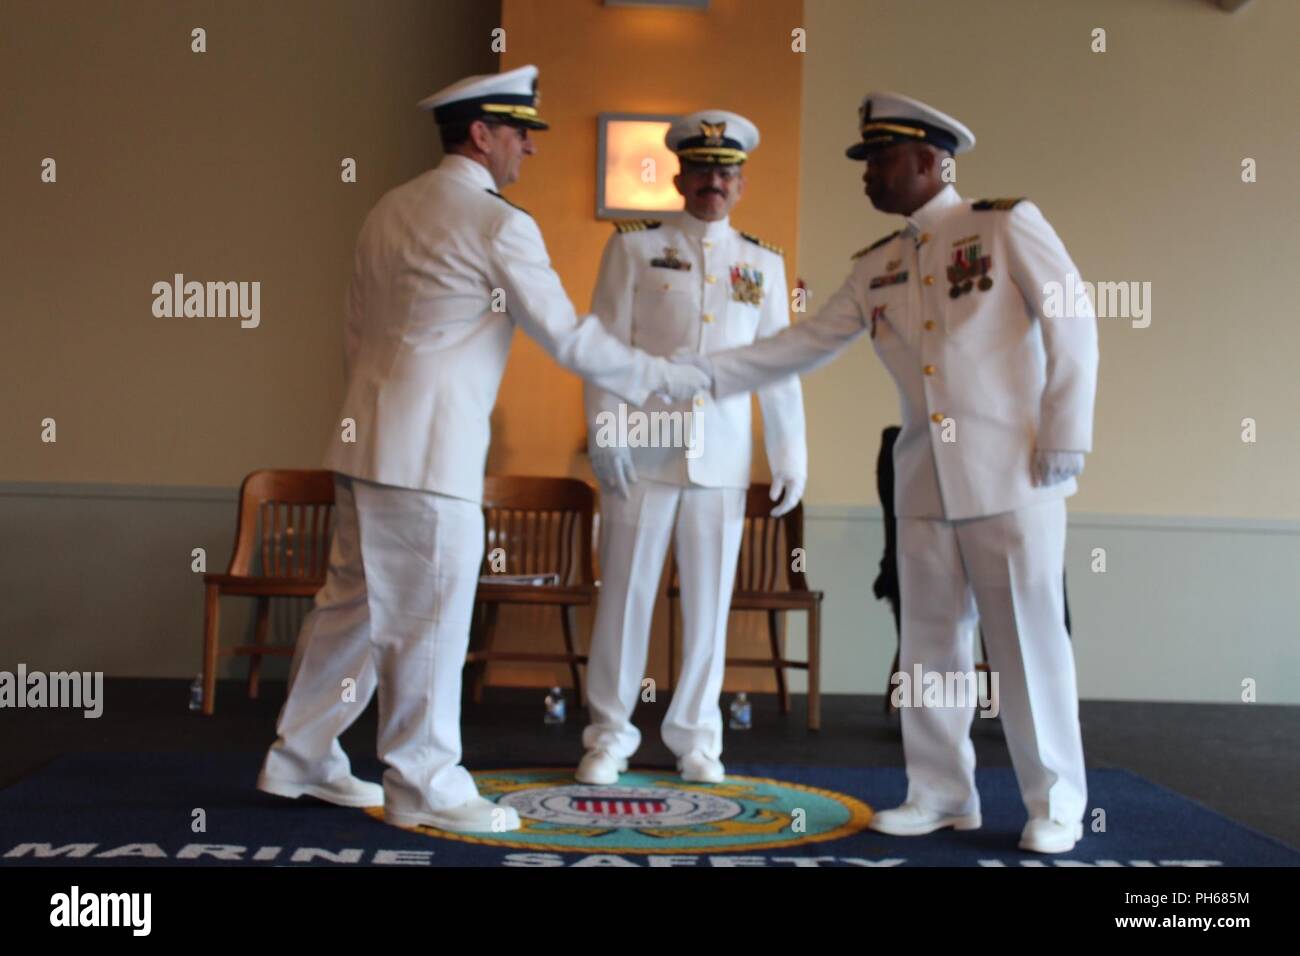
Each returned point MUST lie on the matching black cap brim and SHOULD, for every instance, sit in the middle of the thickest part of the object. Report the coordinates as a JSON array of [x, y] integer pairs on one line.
[[525, 123]]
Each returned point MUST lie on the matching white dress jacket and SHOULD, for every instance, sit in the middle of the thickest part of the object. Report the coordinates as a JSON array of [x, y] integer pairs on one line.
[[984, 377], [444, 271], [687, 284]]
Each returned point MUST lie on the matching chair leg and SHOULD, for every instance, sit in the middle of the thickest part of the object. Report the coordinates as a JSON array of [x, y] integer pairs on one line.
[[259, 638], [475, 641], [672, 643], [814, 667], [775, 632], [489, 636], [211, 645], [566, 621]]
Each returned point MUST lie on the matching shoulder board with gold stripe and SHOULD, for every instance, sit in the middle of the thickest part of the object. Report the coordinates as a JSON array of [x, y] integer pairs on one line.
[[875, 245], [984, 205], [762, 242], [636, 225], [508, 202]]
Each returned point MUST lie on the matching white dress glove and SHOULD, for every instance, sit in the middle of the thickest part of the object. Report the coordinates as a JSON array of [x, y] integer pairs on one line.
[[612, 466], [788, 489], [701, 363], [682, 380], [1053, 467]]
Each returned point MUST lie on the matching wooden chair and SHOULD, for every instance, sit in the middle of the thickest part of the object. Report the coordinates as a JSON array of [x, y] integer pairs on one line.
[[765, 581], [285, 520], [542, 527]]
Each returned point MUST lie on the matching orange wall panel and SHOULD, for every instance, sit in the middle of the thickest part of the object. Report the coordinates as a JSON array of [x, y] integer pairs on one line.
[[595, 59]]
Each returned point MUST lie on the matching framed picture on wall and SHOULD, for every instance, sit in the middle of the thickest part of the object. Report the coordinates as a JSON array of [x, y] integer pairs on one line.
[[634, 169]]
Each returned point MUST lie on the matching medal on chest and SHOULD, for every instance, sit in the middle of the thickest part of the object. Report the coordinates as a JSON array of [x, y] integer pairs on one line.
[[877, 312], [746, 284], [968, 265], [889, 278]]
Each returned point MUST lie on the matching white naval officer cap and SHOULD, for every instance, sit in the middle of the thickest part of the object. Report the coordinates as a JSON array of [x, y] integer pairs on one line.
[[712, 136], [888, 118], [510, 97]]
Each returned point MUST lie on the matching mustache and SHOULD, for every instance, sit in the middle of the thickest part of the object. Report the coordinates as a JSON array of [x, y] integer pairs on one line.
[[704, 191]]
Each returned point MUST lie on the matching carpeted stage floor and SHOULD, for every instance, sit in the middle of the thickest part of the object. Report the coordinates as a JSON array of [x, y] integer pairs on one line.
[[113, 781]]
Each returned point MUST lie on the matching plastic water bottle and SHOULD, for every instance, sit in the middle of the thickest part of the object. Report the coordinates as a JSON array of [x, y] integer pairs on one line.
[[742, 713], [555, 706], [196, 693]]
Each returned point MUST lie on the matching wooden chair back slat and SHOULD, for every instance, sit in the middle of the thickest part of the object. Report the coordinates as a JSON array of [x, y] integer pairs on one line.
[[542, 524], [320, 536], [285, 519], [766, 561], [568, 523]]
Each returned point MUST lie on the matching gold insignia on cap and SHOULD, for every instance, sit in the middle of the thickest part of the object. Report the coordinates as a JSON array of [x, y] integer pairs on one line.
[[713, 133], [510, 109], [898, 128]]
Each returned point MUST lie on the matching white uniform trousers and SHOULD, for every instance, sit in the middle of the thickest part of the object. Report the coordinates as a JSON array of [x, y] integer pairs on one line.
[[1004, 572], [394, 613], [634, 543]]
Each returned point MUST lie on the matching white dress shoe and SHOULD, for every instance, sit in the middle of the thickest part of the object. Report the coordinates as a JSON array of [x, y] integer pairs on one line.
[[599, 767], [1042, 835], [911, 820], [345, 792], [696, 767], [475, 815]]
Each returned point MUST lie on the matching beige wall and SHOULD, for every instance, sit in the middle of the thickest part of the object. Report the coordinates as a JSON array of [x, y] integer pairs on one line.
[[221, 166], [224, 166], [1135, 156]]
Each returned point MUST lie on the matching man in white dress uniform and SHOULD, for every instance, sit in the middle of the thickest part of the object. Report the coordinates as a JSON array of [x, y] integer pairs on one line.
[[445, 270], [697, 283], [996, 385]]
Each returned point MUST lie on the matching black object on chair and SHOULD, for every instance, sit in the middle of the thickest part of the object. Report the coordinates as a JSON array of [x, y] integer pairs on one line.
[[886, 584]]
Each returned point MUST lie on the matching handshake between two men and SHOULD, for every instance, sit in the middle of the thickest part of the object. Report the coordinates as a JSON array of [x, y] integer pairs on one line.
[[996, 396]]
